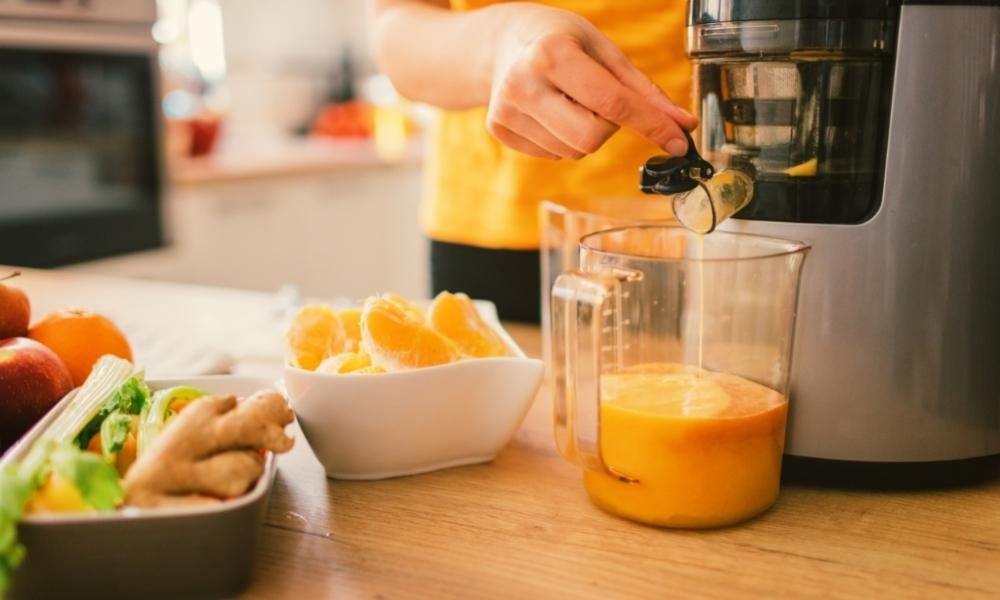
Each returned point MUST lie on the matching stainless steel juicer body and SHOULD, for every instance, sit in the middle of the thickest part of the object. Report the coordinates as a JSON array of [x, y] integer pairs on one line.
[[899, 312]]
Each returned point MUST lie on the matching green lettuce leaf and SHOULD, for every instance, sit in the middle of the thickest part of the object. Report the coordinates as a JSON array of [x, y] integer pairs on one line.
[[15, 489], [114, 432], [130, 398], [95, 479], [18, 482]]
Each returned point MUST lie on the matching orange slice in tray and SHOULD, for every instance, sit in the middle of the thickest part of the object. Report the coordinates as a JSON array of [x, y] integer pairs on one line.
[[314, 334], [397, 339], [456, 317]]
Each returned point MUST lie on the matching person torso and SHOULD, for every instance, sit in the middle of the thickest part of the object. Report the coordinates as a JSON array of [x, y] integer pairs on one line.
[[481, 193]]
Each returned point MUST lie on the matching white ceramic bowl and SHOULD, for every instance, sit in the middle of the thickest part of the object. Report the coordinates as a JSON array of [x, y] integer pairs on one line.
[[407, 422]]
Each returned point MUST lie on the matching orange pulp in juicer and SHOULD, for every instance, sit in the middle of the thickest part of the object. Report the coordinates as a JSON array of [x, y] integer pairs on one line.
[[705, 447]]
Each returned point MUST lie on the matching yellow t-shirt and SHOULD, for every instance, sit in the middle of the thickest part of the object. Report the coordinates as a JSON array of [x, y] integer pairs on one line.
[[481, 193]]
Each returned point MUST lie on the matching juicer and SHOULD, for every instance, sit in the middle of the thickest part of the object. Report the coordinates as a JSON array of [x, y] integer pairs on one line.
[[872, 130]]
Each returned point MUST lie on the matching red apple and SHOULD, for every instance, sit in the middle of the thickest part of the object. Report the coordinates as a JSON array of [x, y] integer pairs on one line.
[[15, 310], [32, 380]]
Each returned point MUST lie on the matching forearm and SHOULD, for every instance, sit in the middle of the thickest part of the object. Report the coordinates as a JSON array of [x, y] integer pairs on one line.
[[556, 87], [436, 55]]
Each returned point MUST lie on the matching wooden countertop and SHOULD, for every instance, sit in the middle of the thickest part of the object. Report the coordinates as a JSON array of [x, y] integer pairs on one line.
[[522, 526]]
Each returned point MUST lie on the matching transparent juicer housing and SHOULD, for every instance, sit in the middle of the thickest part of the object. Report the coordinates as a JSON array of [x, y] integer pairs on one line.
[[801, 118]]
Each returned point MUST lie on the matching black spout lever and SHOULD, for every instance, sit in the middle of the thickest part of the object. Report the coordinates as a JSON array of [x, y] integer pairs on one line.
[[674, 174]]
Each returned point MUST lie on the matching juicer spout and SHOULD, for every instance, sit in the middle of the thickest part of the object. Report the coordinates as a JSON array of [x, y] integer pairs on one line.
[[668, 175]]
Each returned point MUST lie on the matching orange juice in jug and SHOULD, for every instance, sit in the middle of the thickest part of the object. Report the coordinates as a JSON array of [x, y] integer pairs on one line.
[[704, 448]]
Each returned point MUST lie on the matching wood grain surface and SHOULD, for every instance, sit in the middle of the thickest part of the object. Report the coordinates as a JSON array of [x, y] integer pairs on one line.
[[522, 526]]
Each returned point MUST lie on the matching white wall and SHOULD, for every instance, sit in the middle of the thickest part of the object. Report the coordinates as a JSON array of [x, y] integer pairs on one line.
[[281, 56], [346, 233]]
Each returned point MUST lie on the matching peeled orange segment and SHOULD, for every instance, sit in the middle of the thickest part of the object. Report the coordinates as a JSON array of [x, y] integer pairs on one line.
[[395, 339], [313, 332], [57, 495], [345, 362], [668, 394], [350, 324], [456, 317], [806, 169], [410, 308], [369, 370]]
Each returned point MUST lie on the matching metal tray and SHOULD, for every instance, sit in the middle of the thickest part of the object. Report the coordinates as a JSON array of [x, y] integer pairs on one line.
[[176, 552]]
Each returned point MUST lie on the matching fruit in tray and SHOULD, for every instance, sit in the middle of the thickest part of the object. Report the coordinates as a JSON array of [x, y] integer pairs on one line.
[[116, 443], [35, 373], [32, 380], [390, 333], [80, 337], [15, 310]]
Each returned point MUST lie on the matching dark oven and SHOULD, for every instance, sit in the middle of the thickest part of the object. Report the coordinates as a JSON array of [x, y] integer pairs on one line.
[[80, 174]]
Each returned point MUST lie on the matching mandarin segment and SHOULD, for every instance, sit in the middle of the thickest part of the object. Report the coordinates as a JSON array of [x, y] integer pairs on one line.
[[350, 324], [455, 316], [410, 308], [396, 339], [314, 330], [345, 362]]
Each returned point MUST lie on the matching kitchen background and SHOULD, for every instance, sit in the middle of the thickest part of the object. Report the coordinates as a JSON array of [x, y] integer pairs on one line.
[[287, 159]]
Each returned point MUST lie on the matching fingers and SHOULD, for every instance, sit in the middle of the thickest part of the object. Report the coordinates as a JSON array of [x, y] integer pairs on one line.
[[586, 81], [622, 68], [579, 128], [568, 91], [528, 128], [556, 123], [512, 140], [530, 108]]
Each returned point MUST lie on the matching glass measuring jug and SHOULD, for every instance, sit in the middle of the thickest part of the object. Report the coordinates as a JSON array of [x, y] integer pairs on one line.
[[671, 354], [564, 222]]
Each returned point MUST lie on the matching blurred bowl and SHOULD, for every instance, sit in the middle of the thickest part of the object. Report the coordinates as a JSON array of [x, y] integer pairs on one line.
[[407, 422]]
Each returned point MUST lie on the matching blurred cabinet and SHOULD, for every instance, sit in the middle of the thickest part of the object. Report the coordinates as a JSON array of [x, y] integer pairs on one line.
[[343, 232]]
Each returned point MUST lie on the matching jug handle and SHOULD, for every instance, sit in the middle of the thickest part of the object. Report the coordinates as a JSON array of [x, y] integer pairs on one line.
[[579, 305]]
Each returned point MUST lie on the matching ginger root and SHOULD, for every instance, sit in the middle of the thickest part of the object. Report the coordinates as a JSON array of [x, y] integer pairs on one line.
[[211, 451]]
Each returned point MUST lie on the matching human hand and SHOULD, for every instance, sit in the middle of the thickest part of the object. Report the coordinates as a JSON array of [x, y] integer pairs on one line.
[[560, 89]]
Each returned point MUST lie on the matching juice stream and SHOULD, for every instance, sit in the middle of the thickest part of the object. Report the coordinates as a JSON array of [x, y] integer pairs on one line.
[[701, 302]]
